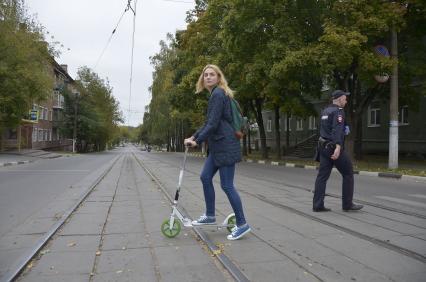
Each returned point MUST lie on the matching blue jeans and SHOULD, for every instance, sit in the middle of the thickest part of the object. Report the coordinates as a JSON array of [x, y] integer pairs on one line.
[[227, 183]]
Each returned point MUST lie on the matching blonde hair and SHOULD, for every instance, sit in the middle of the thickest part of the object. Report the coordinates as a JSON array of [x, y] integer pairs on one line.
[[222, 83]]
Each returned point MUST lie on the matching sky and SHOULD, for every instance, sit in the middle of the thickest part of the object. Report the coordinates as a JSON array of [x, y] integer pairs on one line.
[[83, 27]]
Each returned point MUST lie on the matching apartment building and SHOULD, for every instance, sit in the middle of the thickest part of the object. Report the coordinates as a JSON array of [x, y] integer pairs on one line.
[[375, 128], [40, 129]]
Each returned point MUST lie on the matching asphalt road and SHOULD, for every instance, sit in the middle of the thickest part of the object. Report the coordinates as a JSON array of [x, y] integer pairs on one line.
[[25, 189]]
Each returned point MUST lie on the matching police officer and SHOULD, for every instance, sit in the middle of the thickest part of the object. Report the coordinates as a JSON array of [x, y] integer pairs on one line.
[[331, 153]]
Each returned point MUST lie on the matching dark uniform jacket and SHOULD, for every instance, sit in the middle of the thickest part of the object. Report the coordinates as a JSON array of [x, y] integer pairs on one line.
[[218, 131], [333, 124]]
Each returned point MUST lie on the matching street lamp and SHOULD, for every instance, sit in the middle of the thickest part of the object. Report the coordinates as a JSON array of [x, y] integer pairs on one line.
[[74, 135]]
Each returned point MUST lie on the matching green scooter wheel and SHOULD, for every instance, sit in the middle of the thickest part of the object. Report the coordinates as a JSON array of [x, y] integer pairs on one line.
[[231, 223], [170, 232]]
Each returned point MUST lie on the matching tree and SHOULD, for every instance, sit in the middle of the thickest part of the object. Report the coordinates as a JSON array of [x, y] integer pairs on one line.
[[98, 112], [344, 52], [24, 64]]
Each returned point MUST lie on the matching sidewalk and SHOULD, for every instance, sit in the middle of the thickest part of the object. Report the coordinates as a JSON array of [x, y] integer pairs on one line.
[[114, 235], [9, 158], [299, 163]]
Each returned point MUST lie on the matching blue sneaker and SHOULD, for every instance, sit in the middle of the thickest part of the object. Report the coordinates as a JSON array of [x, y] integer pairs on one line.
[[204, 220], [238, 232]]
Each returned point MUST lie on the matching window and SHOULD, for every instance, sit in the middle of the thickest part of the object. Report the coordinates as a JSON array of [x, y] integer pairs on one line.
[[374, 117], [289, 122], [42, 113], [13, 134], [40, 135], [403, 116], [269, 125], [312, 122], [299, 124], [35, 134]]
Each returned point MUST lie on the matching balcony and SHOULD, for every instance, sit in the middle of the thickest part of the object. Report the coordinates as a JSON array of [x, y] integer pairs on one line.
[[58, 100]]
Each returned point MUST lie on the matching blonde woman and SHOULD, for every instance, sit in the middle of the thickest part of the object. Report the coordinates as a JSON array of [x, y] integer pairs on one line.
[[224, 149]]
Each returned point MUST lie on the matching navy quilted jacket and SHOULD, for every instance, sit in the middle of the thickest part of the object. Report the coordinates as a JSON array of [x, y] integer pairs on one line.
[[218, 131]]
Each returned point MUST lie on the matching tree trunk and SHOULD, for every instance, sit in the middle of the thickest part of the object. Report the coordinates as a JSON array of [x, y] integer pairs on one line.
[[259, 118], [249, 140], [358, 138], [287, 134], [277, 131], [168, 140], [245, 145], [245, 137]]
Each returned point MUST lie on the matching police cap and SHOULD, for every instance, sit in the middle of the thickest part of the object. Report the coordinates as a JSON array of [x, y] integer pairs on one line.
[[338, 93]]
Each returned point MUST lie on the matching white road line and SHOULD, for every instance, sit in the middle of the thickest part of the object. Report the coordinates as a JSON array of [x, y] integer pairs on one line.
[[402, 201]]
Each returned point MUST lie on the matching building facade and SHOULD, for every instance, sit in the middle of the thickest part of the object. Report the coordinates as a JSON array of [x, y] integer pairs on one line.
[[375, 128], [41, 129]]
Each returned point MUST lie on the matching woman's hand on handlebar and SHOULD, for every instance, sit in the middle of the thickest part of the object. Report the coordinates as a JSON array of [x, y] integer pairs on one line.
[[190, 142]]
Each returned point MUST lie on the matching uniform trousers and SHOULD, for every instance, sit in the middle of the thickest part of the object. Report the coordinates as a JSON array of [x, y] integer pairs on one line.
[[344, 166]]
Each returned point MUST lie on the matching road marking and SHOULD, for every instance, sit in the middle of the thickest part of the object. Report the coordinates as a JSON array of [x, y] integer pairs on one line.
[[421, 196], [402, 201]]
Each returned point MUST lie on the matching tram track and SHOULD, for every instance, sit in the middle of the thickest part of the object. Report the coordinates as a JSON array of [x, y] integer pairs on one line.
[[379, 242], [227, 262], [233, 270], [16, 269], [364, 202]]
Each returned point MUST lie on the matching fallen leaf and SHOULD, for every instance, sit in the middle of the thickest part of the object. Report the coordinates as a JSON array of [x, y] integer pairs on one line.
[[71, 244], [98, 253], [44, 251], [119, 271]]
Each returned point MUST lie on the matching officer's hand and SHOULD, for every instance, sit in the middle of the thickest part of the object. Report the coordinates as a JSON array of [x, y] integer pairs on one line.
[[336, 153], [347, 130]]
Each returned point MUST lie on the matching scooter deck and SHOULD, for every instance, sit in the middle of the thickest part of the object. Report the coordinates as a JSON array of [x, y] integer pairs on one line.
[[188, 223]]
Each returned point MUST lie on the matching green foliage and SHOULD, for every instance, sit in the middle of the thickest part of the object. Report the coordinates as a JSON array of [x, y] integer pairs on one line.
[[24, 61], [282, 54], [95, 110]]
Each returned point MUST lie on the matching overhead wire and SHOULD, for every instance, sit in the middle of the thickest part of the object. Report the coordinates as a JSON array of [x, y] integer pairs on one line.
[[131, 59], [128, 7]]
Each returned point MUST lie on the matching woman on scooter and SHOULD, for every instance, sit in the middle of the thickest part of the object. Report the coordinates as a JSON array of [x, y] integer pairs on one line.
[[224, 149]]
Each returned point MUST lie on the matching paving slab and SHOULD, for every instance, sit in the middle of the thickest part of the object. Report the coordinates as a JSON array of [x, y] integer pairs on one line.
[[64, 263], [281, 270], [80, 243], [33, 277]]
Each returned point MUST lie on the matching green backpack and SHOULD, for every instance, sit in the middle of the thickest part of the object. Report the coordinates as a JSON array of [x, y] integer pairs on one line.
[[239, 122]]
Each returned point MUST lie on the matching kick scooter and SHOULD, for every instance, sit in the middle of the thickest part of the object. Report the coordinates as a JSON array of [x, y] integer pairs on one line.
[[171, 227]]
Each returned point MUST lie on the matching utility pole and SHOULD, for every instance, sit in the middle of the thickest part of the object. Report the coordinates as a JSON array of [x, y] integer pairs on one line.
[[393, 110], [74, 135]]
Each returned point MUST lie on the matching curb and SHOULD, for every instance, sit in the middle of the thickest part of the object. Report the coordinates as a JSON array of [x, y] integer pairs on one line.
[[15, 163], [397, 176]]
